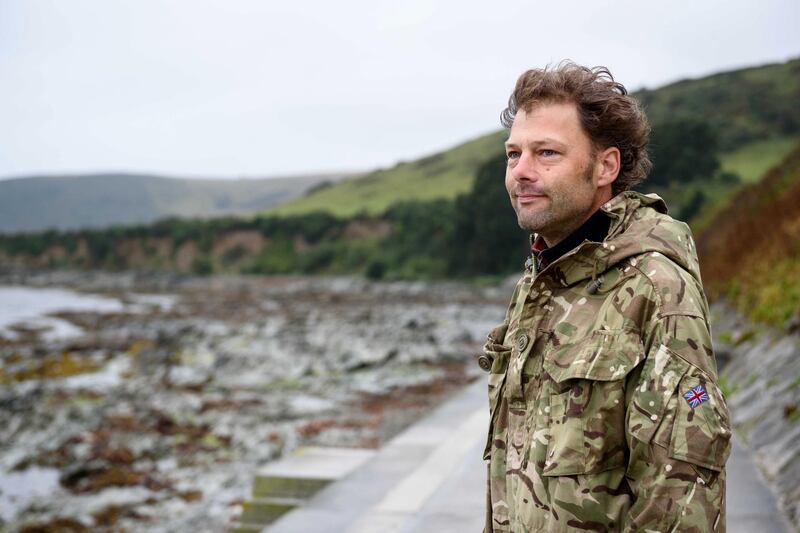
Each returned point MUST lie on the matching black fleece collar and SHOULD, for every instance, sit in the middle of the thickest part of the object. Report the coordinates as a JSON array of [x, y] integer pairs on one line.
[[594, 229]]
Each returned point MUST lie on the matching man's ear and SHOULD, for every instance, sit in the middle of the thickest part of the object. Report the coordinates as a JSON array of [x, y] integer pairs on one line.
[[607, 165]]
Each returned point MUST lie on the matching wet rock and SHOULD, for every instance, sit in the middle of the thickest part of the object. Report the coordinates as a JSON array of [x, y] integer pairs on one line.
[[199, 381], [98, 475], [109, 516], [57, 525]]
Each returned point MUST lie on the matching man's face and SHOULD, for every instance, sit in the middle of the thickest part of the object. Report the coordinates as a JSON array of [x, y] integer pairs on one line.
[[551, 171]]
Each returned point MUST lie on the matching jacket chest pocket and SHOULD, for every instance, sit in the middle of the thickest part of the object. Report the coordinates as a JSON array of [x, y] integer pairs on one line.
[[586, 402], [497, 356]]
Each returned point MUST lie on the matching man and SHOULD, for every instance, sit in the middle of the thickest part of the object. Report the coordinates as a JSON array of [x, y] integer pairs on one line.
[[605, 412]]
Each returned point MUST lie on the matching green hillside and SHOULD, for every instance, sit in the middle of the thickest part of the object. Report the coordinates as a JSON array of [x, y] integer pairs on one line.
[[437, 216], [744, 105], [93, 201], [442, 175], [753, 111]]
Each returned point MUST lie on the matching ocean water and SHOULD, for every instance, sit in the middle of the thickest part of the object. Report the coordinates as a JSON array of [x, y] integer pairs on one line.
[[18, 489], [31, 307]]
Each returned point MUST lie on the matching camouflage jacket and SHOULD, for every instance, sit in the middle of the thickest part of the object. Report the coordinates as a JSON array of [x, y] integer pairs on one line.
[[605, 411]]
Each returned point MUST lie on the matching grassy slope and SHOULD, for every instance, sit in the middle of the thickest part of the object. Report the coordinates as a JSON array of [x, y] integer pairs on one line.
[[753, 160], [442, 175], [751, 107]]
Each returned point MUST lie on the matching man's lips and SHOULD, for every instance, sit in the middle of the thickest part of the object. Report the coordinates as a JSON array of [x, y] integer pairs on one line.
[[528, 197]]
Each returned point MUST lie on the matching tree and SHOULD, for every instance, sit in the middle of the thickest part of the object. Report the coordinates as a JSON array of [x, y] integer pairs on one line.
[[693, 206], [682, 150], [486, 238]]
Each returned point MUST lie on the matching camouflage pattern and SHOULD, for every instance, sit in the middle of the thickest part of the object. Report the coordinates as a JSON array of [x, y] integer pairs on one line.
[[589, 428]]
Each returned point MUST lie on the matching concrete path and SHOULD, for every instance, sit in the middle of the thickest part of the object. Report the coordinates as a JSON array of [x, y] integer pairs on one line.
[[431, 478], [751, 505]]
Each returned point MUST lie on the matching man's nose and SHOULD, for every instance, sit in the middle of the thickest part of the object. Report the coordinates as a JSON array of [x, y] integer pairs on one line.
[[525, 169]]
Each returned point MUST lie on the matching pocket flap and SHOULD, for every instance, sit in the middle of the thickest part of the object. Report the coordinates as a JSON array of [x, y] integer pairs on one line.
[[497, 335], [494, 349], [606, 355], [497, 355], [701, 432], [656, 387]]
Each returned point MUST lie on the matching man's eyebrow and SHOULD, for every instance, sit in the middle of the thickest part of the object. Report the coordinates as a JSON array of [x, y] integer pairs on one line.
[[545, 140]]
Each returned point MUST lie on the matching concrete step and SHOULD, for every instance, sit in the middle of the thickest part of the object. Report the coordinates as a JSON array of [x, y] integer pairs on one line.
[[265, 486], [309, 466], [283, 485], [267, 510], [244, 527], [430, 477]]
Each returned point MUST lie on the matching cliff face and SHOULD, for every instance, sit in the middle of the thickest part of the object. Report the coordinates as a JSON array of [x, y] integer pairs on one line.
[[760, 370]]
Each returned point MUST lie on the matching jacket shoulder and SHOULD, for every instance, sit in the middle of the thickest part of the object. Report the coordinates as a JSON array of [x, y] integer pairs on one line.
[[681, 320], [678, 292]]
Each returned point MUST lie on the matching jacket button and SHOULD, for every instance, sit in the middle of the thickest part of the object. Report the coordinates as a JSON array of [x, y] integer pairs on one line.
[[522, 342], [485, 363]]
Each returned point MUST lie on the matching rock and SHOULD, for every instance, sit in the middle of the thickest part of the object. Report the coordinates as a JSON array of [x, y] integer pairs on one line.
[[221, 375]]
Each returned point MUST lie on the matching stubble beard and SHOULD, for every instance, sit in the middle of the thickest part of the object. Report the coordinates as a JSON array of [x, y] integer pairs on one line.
[[535, 221], [563, 211]]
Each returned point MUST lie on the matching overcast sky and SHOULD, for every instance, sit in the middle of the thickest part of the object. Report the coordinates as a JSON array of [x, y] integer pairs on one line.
[[234, 88]]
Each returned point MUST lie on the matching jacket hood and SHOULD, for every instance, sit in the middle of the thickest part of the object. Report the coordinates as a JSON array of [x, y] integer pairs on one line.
[[639, 225]]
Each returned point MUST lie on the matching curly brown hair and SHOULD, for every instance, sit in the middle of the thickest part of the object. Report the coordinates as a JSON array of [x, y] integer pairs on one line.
[[608, 115]]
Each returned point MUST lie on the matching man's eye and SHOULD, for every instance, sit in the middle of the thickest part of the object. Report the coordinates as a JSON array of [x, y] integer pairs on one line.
[[512, 154], [549, 153]]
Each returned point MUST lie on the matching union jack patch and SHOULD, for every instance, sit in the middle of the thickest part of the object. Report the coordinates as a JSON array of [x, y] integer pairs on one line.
[[695, 396]]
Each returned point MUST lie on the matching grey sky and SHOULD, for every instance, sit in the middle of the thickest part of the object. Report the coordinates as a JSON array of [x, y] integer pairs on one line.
[[256, 87]]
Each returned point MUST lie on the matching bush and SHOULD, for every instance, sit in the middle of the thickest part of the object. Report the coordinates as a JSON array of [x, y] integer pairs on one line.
[[278, 258], [486, 238], [376, 270], [682, 150], [202, 266]]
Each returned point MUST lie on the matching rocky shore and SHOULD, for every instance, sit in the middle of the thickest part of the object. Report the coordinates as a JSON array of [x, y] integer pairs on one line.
[[153, 414]]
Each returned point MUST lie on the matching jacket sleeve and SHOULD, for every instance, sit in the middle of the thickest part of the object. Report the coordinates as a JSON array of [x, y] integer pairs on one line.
[[678, 431]]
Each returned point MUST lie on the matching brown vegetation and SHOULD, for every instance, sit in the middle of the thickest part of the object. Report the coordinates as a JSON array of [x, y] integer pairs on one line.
[[367, 229], [751, 252], [60, 365]]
